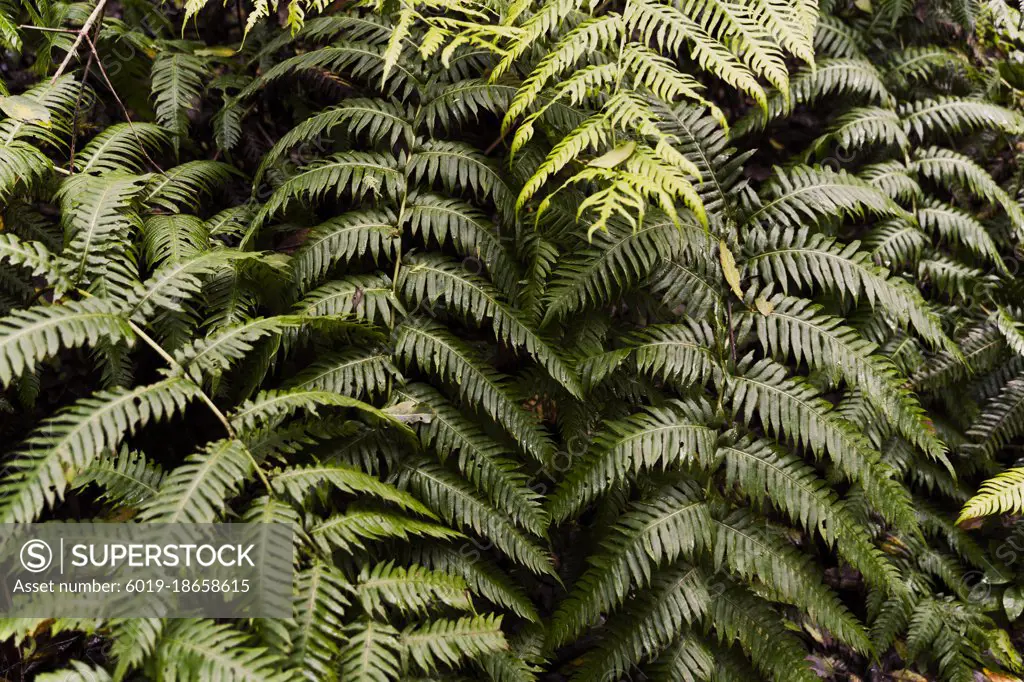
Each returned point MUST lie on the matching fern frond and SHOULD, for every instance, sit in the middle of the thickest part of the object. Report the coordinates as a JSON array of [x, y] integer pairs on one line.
[[481, 459], [896, 243], [765, 472], [796, 327], [791, 407], [197, 491], [203, 649], [171, 286], [894, 179], [959, 227], [458, 504], [459, 167], [862, 127], [432, 279], [356, 372], [950, 169], [682, 354], [659, 437], [596, 273], [98, 213], [949, 116], [363, 174], [752, 552], [919, 64], [410, 590], [364, 297], [807, 259], [670, 27], [678, 598], [372, 232], [299, 483], [78, 672], [371, 652], [321, 600], [121, 147], [185, 185], [74, 438], [836, 39], [467, 229], [22, 165], [815, 194], [33, 335], [171, 239], [363, 60], [125, 478], [432, 348], [177, 83], [444, 642], [352, 529], [268, 406], [34, 257], [213, 355], [999, 495], [377, 119], [741, 617], [857, 77], [669, 523], [482, 577]]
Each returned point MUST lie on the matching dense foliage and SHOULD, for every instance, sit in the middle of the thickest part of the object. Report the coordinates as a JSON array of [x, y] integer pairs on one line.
[[625, 340]]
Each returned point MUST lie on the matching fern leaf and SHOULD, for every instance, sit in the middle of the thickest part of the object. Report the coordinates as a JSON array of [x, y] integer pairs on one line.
[[458, 504], [806, 259], [342, 239], [321, 600], [34, 257], [74, 438], [432, 279], [363, 174], [377, 119], [177, 82], [481, 459], [126, 478], [796, 327], [410, 590], [433, 348], [299, 483], [789, 406], [595, 274], [667, 524], [660, 437], [352, 529], [30, 336], [197, 491], [203, 649], [122, 147], [371, 653], [275, 405], [446, 642]]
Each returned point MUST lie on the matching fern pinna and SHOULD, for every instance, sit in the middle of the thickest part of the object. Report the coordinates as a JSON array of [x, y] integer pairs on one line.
[[565, 360]]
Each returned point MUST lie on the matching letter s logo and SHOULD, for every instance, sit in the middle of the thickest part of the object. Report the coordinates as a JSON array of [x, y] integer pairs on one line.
[[36, 556]]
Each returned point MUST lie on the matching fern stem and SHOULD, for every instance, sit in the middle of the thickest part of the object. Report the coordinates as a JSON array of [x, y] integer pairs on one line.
[[151, 342], [177, 368], [124, 109]]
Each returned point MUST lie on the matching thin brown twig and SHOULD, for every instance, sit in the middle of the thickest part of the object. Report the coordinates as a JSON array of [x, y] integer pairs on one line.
[[494, 145], [74, 116], [178, 369], [48, 29], [124, 109], [96, 13]]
